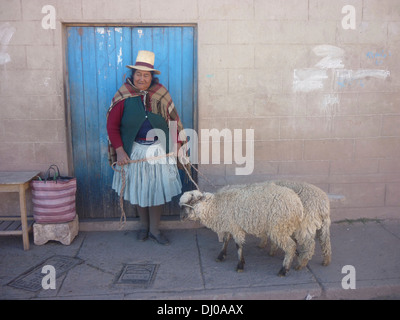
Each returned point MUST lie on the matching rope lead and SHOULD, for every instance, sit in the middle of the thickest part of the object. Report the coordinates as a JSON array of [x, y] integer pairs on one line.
[[122, 220]]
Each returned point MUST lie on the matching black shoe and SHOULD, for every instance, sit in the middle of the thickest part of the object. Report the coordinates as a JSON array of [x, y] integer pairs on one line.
[[142, 235], [160, 238]]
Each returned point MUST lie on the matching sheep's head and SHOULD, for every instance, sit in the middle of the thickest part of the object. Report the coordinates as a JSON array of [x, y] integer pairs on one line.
[[187, 202]]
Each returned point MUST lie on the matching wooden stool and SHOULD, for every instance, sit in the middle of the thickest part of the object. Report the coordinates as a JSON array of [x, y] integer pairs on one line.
[[17, 182]]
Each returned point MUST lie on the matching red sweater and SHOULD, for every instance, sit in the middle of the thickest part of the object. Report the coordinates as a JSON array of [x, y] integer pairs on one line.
[[114, 124]]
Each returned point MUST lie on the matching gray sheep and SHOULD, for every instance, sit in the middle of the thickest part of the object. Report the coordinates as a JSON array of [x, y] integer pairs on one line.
[[316, 220], [259, 209]]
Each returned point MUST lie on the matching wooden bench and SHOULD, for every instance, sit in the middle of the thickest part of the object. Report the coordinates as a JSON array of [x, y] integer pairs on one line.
[[17, 225]]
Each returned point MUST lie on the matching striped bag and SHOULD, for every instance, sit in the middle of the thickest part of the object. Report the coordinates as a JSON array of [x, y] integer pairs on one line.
[[53, 197]]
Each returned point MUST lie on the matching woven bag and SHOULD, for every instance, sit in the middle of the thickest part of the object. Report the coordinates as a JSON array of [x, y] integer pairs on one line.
[[53, 197]]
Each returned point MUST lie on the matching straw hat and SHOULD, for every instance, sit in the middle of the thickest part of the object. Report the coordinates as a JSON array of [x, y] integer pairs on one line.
[[145, 62]]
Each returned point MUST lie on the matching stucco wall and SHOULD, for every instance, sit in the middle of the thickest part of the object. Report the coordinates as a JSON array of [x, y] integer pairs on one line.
[[323, 100]]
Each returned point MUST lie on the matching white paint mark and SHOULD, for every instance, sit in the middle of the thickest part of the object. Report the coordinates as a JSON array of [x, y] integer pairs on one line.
[[347, 77], [329, 108], [332, 56], [311, 79], [362, 74], [6, 33], [119, 30], [307, 80], [330, 100], [46, 81], [119, 57], [100, 30]]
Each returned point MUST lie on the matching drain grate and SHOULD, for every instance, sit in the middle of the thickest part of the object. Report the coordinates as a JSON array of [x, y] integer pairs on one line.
[[31, 279], [141, 275]]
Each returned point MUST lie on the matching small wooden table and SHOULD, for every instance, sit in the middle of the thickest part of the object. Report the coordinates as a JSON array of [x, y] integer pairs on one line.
[[17, 182]]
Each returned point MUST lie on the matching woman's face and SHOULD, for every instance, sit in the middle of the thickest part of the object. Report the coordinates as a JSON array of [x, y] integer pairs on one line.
[[142, 79]]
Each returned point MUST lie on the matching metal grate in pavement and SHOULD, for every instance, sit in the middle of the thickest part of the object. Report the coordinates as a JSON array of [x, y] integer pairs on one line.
[[141, 275], [31, 279]]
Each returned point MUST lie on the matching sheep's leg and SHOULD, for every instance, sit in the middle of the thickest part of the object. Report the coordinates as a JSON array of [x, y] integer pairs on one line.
[[222, 255], [324, 238], [273, 249], [240, 265], [239, 240], [263, 243], [288, 245], [306, 251]]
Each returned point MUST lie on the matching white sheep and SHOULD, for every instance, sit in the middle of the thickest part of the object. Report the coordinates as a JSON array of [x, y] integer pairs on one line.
[[258, 209], [316, 221]]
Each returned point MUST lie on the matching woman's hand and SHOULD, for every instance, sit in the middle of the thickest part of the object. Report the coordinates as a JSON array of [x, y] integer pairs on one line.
[[122, 157], [182, 154]]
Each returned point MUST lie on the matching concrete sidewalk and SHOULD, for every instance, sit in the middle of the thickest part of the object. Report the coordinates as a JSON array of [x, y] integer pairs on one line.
[[113, 265]]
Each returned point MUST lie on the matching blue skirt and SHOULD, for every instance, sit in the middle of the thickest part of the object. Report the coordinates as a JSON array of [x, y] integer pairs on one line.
[[149, 183]]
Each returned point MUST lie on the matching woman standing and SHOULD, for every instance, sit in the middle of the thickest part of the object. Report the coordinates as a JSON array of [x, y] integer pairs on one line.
[[140, 105]]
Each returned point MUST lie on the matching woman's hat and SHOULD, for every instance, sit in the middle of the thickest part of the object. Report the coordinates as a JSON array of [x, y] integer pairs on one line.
[[145, 62]]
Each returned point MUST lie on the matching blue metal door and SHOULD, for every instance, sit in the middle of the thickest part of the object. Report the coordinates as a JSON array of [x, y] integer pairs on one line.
[[96, 62]]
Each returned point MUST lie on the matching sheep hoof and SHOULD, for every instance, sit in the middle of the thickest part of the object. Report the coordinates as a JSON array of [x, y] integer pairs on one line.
[[325, 263], [299, 267], [283, 272], [240, 267], [220, 258]]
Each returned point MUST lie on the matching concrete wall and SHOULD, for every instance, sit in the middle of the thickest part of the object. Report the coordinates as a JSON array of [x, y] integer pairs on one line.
[[323, 100]]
